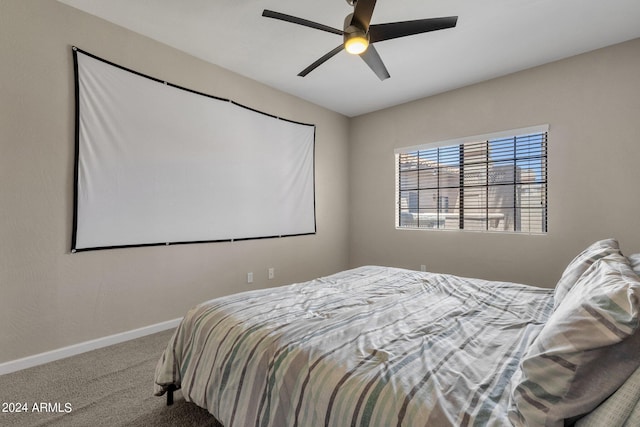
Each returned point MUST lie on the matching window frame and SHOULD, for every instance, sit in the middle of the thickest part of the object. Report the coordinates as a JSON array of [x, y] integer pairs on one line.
[[459, 143]]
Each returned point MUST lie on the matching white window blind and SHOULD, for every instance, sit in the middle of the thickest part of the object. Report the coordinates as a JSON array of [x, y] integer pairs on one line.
[[494, 182]]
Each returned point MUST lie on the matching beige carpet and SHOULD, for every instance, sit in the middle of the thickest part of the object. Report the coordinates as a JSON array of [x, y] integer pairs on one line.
[[112, 386]]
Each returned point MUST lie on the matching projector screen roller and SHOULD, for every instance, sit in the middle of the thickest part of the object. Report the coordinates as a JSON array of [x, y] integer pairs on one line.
[[161, 164]]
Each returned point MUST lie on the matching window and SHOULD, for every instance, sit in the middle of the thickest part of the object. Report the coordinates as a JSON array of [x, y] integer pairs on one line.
[[494, 182]]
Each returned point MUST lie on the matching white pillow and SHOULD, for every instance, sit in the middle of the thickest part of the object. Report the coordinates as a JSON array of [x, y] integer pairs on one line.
[[580, 264], [634, 260], [585, 351]]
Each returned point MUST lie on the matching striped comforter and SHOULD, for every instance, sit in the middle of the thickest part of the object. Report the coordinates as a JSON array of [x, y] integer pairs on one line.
[[372, 346]]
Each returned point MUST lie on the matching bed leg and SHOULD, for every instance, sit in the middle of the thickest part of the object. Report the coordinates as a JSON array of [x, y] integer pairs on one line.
[[170, 391]]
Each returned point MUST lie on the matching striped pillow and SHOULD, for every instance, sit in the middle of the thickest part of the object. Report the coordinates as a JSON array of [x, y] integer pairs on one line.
[[579, 265], [585, 351]]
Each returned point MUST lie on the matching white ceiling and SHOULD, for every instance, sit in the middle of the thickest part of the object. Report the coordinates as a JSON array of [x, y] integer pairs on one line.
[[492, 38]]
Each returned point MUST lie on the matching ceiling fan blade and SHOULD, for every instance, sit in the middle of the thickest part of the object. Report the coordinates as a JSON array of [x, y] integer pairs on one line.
[[362, 13], [374, 62], [320, 61], [300, 21], [392, 30]]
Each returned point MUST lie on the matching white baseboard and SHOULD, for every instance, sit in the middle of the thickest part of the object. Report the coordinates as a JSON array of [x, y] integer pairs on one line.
[[72, 350]]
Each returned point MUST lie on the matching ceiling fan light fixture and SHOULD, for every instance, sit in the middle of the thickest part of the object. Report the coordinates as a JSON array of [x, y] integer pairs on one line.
[[356, 43]]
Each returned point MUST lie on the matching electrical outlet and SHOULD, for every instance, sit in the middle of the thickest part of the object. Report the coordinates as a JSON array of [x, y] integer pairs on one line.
[[249, 277], [272, 273]]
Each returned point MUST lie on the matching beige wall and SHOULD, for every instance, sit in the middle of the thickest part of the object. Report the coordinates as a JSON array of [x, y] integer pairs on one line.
[[592, 105], [50, 298]]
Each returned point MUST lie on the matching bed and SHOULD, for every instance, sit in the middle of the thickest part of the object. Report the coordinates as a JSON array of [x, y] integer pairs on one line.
[[384, 346]]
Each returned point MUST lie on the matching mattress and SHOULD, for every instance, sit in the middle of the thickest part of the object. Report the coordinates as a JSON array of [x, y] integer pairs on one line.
[[371, 346]]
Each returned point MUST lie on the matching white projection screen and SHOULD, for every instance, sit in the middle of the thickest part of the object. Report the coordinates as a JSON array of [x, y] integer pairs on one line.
[[161, 164]]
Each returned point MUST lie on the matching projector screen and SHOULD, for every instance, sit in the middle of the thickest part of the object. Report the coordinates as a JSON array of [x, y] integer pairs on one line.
[[161, 164]]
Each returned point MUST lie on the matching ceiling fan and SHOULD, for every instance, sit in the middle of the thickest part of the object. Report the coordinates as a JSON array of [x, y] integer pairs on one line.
[[359, 35]]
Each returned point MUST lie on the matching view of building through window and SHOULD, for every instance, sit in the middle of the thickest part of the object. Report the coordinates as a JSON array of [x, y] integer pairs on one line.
[[498, 184]]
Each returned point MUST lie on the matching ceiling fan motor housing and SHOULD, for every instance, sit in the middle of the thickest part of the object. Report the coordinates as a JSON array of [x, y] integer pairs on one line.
[[354, 34]]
